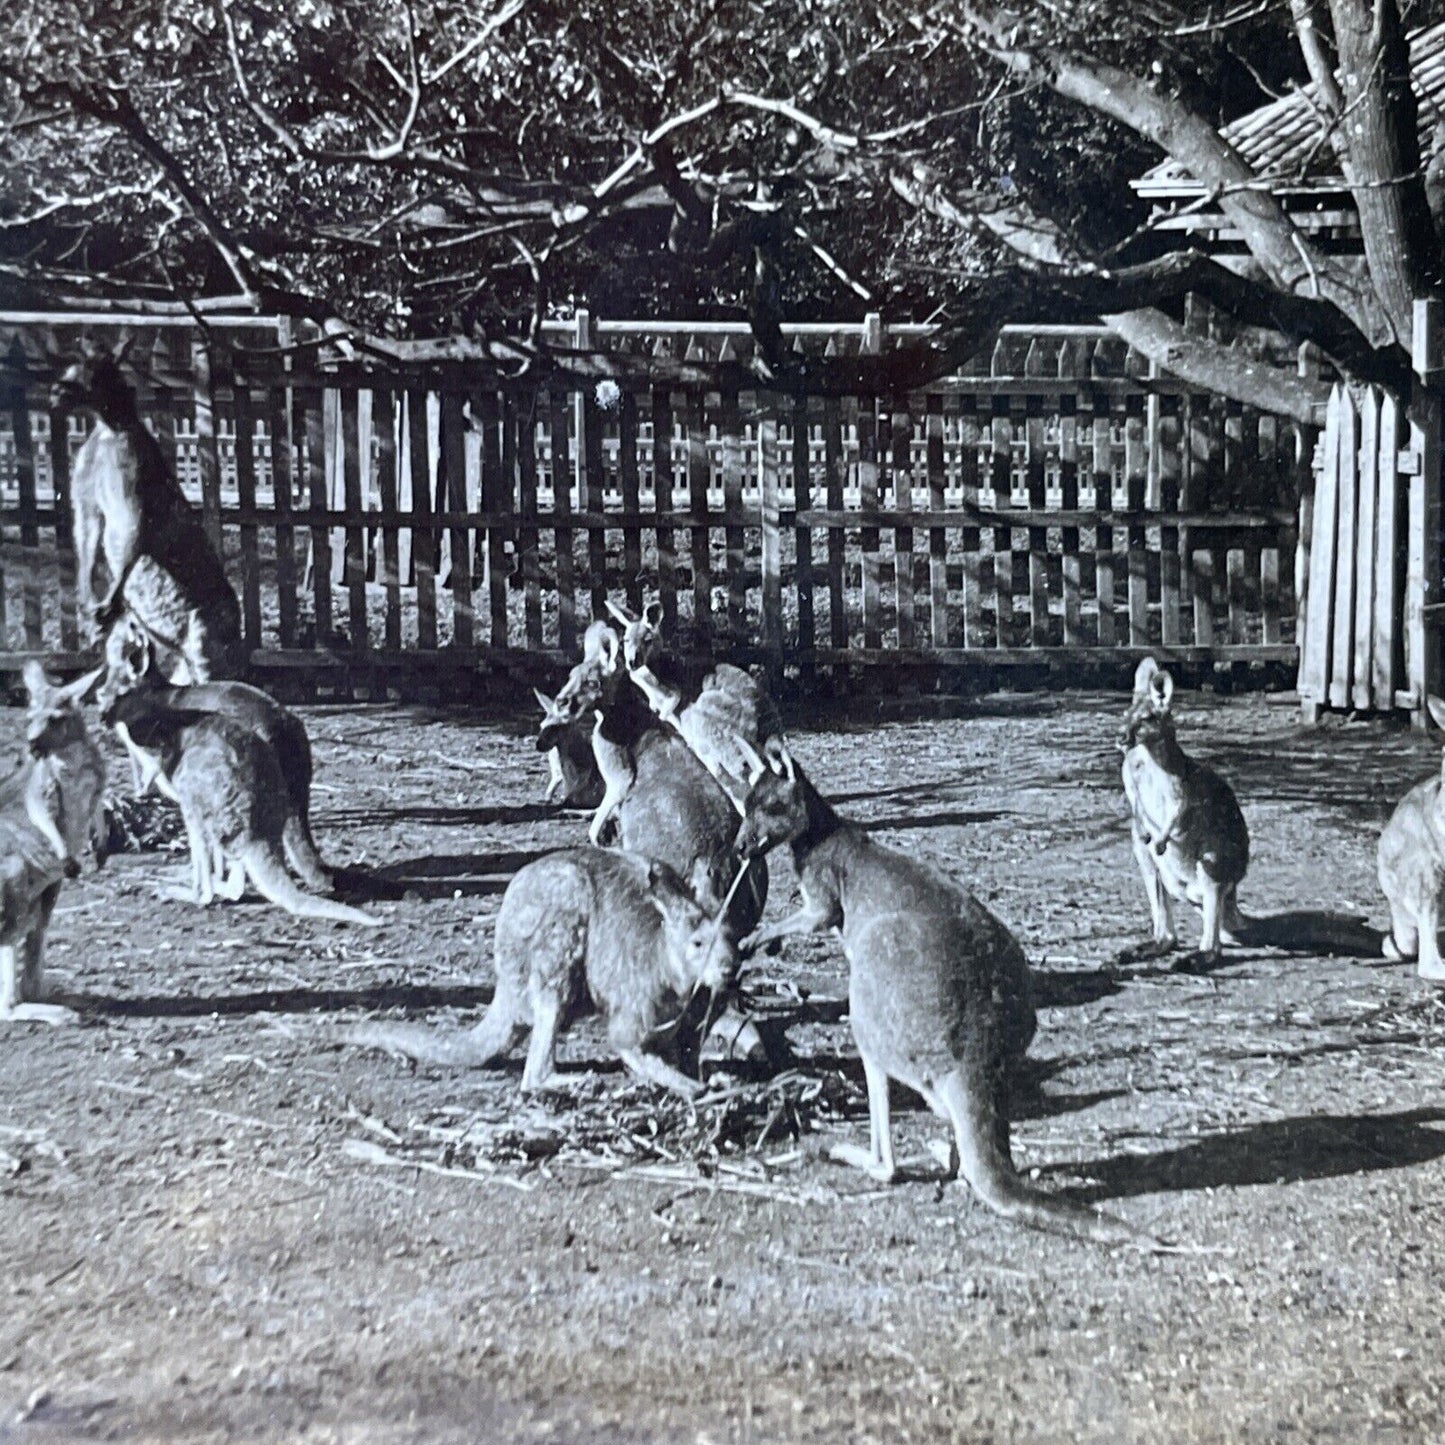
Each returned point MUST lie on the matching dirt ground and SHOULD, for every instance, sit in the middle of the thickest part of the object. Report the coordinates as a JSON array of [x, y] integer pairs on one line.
[[225, 1222]]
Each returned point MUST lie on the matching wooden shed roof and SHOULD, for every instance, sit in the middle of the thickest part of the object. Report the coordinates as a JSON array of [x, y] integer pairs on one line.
[[1285, 140]]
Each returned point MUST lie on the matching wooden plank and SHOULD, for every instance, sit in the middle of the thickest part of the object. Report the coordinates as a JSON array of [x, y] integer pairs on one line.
[[521, 423], [452, 485], [1038, 537], [977, 567], [310, 425], [424, 536], [868, 502], [1170, 541], [1422, 587], [283, 454], [901, 466], [1314, 673], [245, 416], [662, 484], [734, 537], [1347, 482], [837, 542], [591, 496], [1001, 479], [208, 456], [355, 547], [64, 533], [1138, 578], [807, 639], [631, 488], [499, 503], [18, 405], [698, 477], [1070, 570], [1362, 669], [1106, 634], [1202, 570], [383, 419], [1237, 598], [769, 462], [1385, 644], [562, 473], [1269, 595], [937, 536]]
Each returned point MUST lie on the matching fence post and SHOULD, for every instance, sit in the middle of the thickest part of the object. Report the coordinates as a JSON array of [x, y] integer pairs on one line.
[[769, 463], [1422, 586], [208, 457]]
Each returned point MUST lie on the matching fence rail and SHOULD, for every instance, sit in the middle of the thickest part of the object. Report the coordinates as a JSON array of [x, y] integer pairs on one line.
[[1063, 500]]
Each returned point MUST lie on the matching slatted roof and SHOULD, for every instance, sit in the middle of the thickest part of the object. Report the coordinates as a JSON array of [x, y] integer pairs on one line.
[[1285, 139]]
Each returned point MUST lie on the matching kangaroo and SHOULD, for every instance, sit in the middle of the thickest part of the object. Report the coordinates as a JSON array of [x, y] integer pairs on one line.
[[567, 720], [938, 988], [585, 930], [63, 778], [129, 665], [1190, 837], [129, 510], [233, 799], [730, 705], [1412, 869]]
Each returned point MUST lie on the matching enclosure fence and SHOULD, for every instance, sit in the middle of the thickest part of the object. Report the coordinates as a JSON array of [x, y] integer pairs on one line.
[[1062, 498]]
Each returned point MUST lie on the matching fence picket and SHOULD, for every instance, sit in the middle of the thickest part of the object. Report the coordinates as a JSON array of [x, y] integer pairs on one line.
[[1347, 482], [1365, 519]]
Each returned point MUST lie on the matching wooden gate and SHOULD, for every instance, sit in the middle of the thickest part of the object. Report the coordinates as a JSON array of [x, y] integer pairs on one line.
[[1371, 572]]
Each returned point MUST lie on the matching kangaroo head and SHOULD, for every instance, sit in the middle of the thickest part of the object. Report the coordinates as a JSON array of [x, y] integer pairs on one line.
[[1149, 718], [56, 735], [776, 809], [96, 384], [701, 953], [641, 636]]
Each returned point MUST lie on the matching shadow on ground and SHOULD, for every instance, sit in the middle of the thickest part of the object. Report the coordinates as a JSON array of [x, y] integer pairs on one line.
[[1284, 1151], [281, 1000], [445, 875]]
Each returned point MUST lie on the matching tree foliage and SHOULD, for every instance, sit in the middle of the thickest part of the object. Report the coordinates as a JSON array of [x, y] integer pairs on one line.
[[425, 167]]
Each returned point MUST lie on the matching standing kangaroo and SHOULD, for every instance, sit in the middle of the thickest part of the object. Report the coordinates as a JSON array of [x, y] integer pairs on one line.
[[1190, 837], [938, 988], [130, 666], [233, 799], [567, 721], [129, 510], [56, 796], [583, 931], [1412, 870]]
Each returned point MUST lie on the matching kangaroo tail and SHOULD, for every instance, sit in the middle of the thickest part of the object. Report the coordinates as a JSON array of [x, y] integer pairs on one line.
[[491, 1040], [990, 1173], [1238, 927], [302, 854], [273, 882]]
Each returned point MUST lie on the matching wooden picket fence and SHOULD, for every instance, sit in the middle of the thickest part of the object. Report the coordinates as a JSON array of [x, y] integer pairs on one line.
[[1369, 634], [1061, 500]]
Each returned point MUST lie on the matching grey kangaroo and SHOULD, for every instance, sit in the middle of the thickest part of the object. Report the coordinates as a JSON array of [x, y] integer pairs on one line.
[[1190, 837], [1412, 870], [130, 665], [938, 988], [580, 931], [129, 511], [63, 779], [233, 800]]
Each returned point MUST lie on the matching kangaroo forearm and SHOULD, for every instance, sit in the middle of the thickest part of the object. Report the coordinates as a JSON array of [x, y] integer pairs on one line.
[[805, 920]]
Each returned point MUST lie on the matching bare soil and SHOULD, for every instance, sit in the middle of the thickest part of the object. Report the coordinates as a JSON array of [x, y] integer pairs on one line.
[[222, 1221]]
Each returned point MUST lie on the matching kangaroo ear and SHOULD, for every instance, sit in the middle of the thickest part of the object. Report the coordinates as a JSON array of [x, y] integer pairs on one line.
[[775, 750], [1143, 675], [37, 685], [756, 766], [542, 698], [652, 614], [1161, 691], [620, 613], [1437, 710], [81, 689]]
